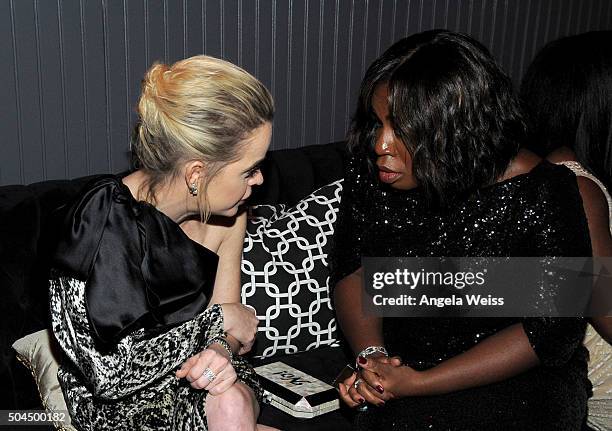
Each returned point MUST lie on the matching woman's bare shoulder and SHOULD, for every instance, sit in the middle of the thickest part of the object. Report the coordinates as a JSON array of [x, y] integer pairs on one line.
[[523, 163], [217, 232]]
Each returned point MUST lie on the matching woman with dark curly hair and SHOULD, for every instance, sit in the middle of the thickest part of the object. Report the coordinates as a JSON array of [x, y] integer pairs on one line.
[[436, 170], [567, 93]]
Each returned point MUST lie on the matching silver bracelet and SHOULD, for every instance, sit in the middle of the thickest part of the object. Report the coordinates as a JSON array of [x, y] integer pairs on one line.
[[370, 351], [223, 342]]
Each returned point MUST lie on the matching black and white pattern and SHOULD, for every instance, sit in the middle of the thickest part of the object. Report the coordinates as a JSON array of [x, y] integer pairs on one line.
[[285, 272], [133, 386]]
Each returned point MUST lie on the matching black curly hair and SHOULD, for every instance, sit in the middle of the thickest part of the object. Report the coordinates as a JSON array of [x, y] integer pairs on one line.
[[453, 108], [567, 94]]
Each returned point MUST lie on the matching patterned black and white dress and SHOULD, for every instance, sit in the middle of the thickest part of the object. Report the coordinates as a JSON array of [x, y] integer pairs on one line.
[[129, 296]]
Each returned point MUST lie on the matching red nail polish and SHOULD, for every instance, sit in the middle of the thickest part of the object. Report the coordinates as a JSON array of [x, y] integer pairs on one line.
[[362, 360], [361, 401], [380, 389]]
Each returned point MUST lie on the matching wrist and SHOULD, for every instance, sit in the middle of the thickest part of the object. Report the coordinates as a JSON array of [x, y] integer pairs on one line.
[[420, 382], [220, 350], [225, 309], [233, 342], [220, 345], [370, 352]]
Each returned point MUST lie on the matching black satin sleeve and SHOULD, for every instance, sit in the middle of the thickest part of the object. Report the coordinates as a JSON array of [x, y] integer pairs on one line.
[[140, 269]]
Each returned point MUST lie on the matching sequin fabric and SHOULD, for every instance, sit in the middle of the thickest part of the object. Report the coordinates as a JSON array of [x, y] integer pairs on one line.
[[535, 214]]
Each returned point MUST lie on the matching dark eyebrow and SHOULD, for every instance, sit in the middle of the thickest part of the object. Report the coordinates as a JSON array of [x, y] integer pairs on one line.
[[257, 164]]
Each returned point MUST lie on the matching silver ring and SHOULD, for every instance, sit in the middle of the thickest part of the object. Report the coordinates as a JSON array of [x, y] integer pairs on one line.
[[357, 383], [209, 374]]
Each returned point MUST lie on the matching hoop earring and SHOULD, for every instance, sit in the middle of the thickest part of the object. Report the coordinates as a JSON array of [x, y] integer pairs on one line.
[[193, 189]]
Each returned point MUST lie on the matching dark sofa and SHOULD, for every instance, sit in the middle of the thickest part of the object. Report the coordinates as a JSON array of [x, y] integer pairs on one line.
[[28, 219]]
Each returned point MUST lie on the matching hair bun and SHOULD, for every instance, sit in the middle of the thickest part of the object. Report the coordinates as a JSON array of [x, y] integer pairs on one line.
[[154, 81]]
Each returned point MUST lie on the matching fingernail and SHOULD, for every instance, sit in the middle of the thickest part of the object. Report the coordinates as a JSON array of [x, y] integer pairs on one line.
[[361, 401], [380, 389], [362, 360]]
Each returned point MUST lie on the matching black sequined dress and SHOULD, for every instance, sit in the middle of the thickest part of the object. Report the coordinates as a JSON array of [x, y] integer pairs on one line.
[[535, 214]]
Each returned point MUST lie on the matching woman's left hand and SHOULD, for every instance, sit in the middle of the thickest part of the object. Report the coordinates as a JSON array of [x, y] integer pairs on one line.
[[396, 380], [215, 359]]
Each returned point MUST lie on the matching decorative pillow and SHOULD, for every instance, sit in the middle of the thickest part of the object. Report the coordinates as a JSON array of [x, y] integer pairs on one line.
[[285, 272], [40, 353]]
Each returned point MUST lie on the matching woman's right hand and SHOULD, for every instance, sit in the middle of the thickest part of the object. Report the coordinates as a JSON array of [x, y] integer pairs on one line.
[[216, 360], [240, 321]]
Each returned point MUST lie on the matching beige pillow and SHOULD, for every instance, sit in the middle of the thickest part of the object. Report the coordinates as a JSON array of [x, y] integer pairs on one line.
[[41, 354]]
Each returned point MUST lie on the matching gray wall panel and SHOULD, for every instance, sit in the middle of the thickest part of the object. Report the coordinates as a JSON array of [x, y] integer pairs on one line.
[[118, 105], [193, 20], [51, 99], [281, 42], [11, 159], [229, 31], [95, 84], [213, 26], [157, 49], [28, 86], [73, 67], [135, 56], [73, 82]]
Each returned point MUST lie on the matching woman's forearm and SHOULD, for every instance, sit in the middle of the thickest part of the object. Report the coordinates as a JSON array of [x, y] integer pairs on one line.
[[360, 331], [501, 356]]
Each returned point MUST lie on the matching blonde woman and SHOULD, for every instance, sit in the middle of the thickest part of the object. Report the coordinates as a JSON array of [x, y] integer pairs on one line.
[[149, 320]]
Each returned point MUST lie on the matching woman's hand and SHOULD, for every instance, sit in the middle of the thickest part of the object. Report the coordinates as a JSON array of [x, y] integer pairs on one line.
[[240, 321], [390, 379], [215, 359], [348, 393], [365, 392]]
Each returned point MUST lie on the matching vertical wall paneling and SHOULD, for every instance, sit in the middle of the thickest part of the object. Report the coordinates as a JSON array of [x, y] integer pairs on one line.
[[349, 64], [304, 70], [119, 116], [156, 31], [109, 100], [248, 35], [230, 30], [29, 114], [83, 66], [175, 30], [239, 31], [136, 64], [426, 15], [40, 91], [319, 72], [94, 59], [73, 67], [288, 64], [192, 10], [327, 29], [527, 30], [265, 33], [62, 83], [371, 34], [11, 169]]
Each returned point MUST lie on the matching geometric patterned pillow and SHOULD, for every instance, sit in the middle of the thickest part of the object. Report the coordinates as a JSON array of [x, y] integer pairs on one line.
[[285, 272]]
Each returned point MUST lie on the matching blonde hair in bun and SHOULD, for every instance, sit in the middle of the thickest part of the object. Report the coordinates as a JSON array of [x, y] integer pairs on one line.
[[200, 108]]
